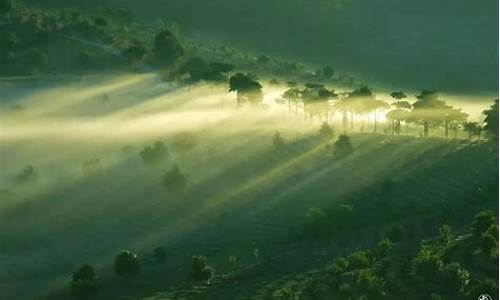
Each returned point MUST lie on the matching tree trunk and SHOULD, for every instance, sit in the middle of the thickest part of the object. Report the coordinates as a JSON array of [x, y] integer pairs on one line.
[[344, 121], [426, 128], [375, 121], [352, 121], [393, 129], [446, 128]]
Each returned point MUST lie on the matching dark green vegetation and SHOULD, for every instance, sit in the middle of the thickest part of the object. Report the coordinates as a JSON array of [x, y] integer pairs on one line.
[[447, 44], [140, 163]]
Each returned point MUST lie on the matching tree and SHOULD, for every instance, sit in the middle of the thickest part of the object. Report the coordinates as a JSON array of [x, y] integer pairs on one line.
[[398, 95], [152, 154], [342, 147], [428, 108], [196, 67], [167, 48], [318, 224], [483, 221], [398, 114], [328, 72], [452, 116], [292, 95], [200, 269], [247, 89], [326, 131], [134, 54], [473, 129], [174, 179], [491, 121], [126, 264], [84, 283], [6, 6]]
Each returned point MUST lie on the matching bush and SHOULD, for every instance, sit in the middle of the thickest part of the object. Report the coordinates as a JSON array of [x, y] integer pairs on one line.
[[84, 283], [318, 224], [126, 264], [342, 147], [201, 270], [326, 131], [152, 154], [175, 180]]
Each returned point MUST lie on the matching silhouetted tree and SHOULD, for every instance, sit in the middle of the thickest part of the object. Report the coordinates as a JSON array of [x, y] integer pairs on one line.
[[428, 108], [200, 269], [84, 284], [326, 131], [246, 88], [472, 128], [292, 95], [328, 72], [167, 48], [126, 264], [398, 96], [491, 121], [278, 142], [342, 146], [151, 154], [134, 54], [174, 179]]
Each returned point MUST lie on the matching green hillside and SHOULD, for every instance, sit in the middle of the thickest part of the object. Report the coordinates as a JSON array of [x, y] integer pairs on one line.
[[150, 152]]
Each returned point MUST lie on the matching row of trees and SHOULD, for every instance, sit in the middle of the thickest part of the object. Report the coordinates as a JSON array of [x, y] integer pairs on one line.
[[85, 284], [427, 111]]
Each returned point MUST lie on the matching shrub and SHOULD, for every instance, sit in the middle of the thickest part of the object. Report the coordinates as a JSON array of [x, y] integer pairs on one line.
[[342, 147], [326, 131], [152, 154], [317, 223], [175, 180], [84, 283], [126, 264], [201, 270]]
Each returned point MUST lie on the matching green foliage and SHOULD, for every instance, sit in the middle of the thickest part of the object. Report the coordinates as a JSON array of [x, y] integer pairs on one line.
[[155, 153], [342, 147], [328, 72], [491, 121], [247, 88], [174, 180], [135, 54], [200, 269], [84, 284], [472, 128], [398, 95], [91, 166], [318, 224], [326, 131], [167, 49], [126, 264]]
